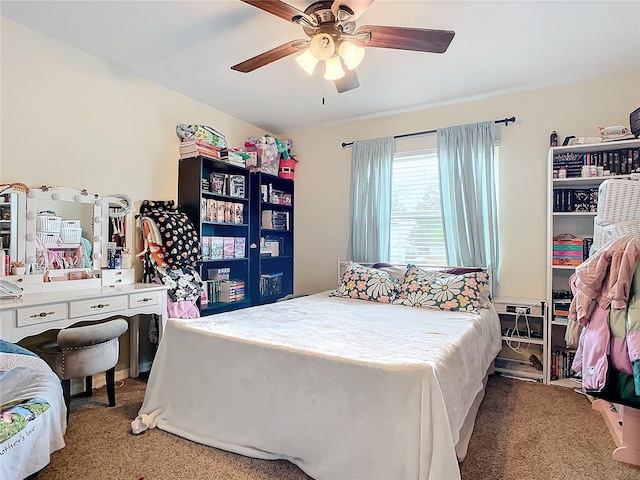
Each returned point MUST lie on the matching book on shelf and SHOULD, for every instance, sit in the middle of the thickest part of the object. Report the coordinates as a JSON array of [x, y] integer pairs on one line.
[[218, 183], [238, 213], [186, 144], [217, 247], [240, 247], [228, 212], [199, 152], [228, 286], [561, 362], [616, 161], [194, 148], [221, 210], [206, 247], [575, 199], [211, 210], [232, 291], [204, 212], [236, 158], [220, 274], [271, 244], [275, 220], [204, 296], [212, 291], [275, 196], [236, 186], [228, 247], [616, 138]]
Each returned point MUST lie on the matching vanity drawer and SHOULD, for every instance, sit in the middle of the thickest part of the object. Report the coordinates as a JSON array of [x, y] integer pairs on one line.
[[85, 308], [137, 300], [42, 314], [28, 283], [117, 277]]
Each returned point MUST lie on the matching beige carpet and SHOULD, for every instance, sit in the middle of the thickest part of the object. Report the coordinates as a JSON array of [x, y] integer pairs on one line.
[[523, 431]]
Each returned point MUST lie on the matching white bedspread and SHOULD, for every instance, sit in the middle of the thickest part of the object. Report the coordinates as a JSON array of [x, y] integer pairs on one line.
[[24, 377], [345, 389]]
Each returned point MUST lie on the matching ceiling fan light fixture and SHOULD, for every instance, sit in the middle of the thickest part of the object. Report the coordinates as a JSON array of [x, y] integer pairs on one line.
[[322, 46], [333, 69], [307, 61], [351, 54]]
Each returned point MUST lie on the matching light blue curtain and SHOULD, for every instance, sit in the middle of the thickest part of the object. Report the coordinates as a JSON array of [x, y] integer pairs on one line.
[[468, 195], [370, 199]]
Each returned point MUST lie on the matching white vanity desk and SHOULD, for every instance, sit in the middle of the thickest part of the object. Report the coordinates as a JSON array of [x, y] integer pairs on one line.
[[35, 313], [51, 298]]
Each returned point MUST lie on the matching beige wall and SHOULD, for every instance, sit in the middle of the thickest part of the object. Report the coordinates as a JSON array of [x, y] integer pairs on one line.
[[322, 176], [71, 119]]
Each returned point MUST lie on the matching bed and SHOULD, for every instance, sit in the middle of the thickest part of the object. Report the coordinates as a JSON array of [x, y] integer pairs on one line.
[[341, 387], [33, 412]]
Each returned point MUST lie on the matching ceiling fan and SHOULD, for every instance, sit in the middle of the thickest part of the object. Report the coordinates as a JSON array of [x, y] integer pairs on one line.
[[335, 40]]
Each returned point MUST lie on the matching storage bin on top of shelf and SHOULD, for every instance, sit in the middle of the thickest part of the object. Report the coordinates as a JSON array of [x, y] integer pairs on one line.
[[48, 225], [71, 231], [617, 212]]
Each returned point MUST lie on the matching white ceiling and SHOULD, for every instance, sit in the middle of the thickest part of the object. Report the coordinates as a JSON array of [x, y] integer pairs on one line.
[[499, 46]]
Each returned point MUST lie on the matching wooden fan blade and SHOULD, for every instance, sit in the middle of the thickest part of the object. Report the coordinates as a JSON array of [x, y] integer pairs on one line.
[[275, 7], [348, 82], [402, 38], [358, 7], [270, 56]]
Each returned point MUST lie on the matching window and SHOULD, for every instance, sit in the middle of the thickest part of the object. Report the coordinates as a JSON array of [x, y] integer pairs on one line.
[[416, 229]]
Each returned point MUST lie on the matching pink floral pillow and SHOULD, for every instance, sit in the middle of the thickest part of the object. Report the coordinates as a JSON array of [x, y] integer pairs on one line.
[[436, 289], [366, 283]]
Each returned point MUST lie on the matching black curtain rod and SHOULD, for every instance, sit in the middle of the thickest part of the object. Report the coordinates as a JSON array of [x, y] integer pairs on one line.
[[506, 122]]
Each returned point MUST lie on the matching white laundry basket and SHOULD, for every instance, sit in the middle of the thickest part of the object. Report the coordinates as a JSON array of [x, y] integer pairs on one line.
[[617, 212], [71, 231], [48, 225]]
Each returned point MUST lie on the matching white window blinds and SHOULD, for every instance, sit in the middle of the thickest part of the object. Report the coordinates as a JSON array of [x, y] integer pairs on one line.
[[416, 218]]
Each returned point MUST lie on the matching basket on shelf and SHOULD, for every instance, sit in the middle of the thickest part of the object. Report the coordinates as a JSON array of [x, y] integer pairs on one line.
[[71, 231], [70, 234], [48, 222], [617, 213], [71, 224], [617, 200], [48, 238]]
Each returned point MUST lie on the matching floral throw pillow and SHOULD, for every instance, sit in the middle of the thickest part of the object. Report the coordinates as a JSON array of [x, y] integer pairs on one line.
[[366, 283], [437, 289]]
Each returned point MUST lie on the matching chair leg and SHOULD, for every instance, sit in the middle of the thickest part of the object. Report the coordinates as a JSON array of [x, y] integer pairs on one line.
[[66, 393], [111, 386], [88, 382]]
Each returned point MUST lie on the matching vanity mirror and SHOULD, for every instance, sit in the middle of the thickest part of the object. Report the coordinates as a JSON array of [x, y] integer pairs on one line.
[[117, 231], [63, 229]]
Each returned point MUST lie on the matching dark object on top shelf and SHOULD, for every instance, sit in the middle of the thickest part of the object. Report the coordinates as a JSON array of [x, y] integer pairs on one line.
[[634, 122], [566, 140], [553, 140]]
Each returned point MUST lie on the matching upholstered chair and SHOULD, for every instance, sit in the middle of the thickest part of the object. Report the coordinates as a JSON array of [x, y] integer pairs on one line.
[[81, 352]]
